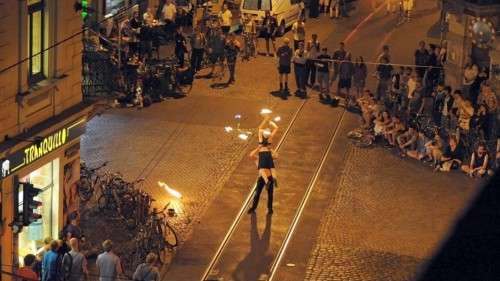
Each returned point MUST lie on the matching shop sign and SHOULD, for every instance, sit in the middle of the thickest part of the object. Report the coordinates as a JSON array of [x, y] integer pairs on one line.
[[41, 148]]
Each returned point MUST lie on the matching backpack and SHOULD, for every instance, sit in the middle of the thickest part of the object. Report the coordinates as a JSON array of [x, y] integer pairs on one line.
[[64, 264]]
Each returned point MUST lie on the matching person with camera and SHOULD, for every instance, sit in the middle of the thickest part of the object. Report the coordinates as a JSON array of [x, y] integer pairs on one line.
[[232, 49]]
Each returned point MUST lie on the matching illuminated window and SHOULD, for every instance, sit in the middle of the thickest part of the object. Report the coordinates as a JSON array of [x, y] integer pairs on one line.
[[45, 178], [36, 40]]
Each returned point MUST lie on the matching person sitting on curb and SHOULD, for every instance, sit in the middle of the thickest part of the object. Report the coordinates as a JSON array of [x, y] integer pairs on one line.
[[479, 163]]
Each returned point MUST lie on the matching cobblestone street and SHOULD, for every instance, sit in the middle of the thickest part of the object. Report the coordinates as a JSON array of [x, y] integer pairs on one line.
[[379, 225], [375, 217]]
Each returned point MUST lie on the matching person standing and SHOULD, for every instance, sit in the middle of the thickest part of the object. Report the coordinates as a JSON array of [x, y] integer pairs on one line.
[[323, 70], [313, 8], [108, 264], [338, 56], [232, 49], [49, 263], [180, 46], [147, 271], [488, 98], [78, 263], [284, 54], [264, 157], [313, 50], [198, 44], [384, 74], [135, 26], [26, 273], [226, 18], [302, 13], [216, 44], [299, 65], [270, 26], [346, 71], [169, 12], [299, 33], [407, 8], [421, 59], [359, 77], [249, 33]]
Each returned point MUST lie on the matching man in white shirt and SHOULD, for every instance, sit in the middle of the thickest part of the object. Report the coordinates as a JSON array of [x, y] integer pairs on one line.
[[226, 17], [108, 264], [169, 11], [299, 33]]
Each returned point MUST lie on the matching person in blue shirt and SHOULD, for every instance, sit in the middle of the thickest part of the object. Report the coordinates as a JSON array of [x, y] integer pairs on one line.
[[49, 263]]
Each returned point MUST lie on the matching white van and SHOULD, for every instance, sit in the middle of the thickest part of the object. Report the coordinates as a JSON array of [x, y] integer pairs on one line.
[[286, 11]]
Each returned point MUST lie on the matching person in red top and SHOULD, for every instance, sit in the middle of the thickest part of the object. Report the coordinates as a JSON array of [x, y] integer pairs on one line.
[[26, 273]]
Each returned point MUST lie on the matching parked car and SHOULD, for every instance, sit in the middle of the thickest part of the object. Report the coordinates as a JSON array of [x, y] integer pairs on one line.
[[286, 11]]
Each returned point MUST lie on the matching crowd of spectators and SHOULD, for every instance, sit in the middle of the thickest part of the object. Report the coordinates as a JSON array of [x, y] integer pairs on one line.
[[414, 111]]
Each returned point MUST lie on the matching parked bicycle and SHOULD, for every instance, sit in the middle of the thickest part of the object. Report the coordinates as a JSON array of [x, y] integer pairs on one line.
[[89, 181], [156, 236]]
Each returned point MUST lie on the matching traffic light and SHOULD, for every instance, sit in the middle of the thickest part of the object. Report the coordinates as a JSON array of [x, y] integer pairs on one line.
[[30, 204]]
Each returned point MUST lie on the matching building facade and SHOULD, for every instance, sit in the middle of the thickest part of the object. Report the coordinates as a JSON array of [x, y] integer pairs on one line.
[[42, 116], [471, 29]]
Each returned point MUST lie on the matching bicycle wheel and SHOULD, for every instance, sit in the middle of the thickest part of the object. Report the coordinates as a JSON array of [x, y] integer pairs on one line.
[[170, 236], [85, 191]]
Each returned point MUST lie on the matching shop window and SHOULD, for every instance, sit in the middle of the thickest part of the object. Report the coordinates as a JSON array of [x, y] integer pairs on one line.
[[36, 40], [31, 238]]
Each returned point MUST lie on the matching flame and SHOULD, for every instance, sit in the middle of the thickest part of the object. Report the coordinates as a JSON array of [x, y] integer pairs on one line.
[[265, 111], [228, 129], [170, 190], [243, 136]]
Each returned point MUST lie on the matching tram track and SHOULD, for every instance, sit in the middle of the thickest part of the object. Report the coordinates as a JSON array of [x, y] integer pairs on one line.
[[244, 207], [211, 270]]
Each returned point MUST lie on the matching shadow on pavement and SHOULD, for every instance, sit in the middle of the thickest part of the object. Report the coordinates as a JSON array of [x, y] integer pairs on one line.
[[256, 262]]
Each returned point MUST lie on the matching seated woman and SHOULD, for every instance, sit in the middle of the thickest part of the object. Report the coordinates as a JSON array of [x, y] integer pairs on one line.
[[392, 130], [434, 149], [452, 156], [367, 104], [407, 141], [479, 163], [381, 122], [420, 152]]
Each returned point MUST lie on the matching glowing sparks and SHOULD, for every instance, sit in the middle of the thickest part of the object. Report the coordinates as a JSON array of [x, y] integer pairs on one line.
[[228, 129], [277, 119], [170, 190], [243, 136], [266, 111]]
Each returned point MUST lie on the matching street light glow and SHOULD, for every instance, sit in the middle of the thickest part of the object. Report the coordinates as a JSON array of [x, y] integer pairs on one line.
[[266, 111], [243, 136], [237, 116], [277, 119], [170, 190], [228, 129]]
